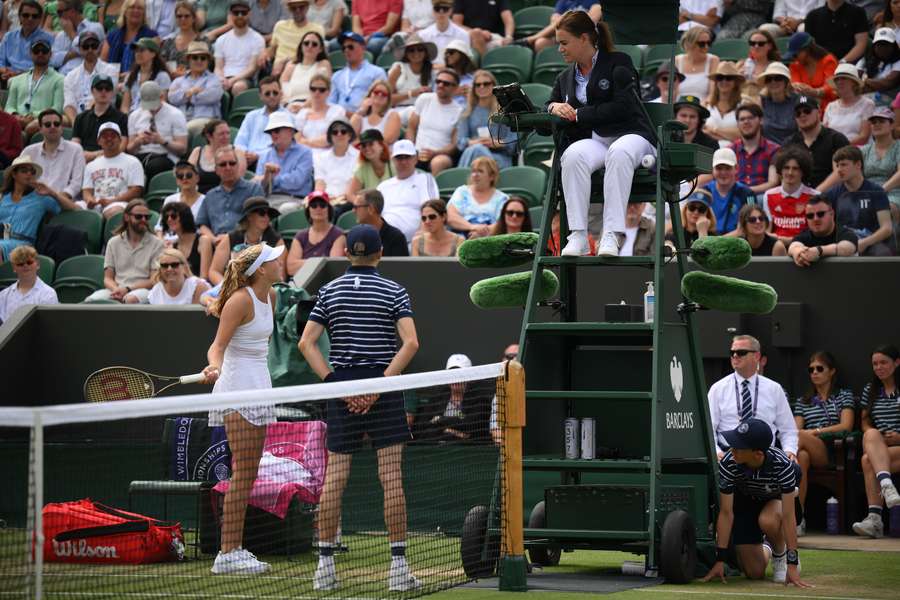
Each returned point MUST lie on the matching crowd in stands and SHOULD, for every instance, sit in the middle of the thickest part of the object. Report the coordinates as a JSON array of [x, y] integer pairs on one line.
[[376, 111]]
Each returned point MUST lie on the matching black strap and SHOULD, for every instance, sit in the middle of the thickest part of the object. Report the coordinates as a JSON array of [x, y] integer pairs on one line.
[[102, 530]]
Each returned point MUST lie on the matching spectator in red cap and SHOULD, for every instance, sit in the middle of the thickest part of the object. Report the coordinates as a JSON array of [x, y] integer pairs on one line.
[[321, 238]]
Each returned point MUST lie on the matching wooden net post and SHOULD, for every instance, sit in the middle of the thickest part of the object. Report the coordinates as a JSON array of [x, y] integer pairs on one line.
[[512, 565]]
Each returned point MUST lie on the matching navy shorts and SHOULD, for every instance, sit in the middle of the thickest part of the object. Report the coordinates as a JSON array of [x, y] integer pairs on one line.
[[385, 423], [745, 529]]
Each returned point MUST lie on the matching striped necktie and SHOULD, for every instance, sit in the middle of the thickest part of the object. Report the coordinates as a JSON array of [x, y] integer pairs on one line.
[[746, 401]]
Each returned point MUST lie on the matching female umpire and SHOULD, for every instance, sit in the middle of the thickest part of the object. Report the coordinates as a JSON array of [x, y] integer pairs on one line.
[[608, 128]]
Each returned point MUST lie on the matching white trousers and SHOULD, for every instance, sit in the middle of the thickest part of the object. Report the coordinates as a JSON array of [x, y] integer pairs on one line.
[[621, 156]]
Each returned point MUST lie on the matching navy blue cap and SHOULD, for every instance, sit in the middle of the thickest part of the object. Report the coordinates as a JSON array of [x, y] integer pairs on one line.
[[752, 434], [363, 240], [351, 35], [702, 196], [798, 42]]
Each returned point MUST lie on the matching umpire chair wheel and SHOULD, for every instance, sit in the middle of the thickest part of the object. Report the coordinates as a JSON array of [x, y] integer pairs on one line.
[[479, 551], [678, 548], [547, 555]]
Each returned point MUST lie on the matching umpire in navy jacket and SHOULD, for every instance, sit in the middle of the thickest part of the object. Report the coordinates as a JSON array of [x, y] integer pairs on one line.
[[608, 128]]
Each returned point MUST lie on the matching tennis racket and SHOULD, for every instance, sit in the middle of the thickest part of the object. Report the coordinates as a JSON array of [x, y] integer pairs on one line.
[[126, 383]]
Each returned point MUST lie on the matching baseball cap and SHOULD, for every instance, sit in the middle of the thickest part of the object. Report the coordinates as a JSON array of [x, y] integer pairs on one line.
[[370, 135], [702, 196], [40, 42], [459, 361], [882, 112], [752, 434], [146, 42], [724, 156], [403, 148], [151, 95], [884, 34], [317, 195], [244, 3], [351, 36], [87, 35], [806, 101], [109, 126], [798, 42], [664, 70], [363, 240], [102, 78]]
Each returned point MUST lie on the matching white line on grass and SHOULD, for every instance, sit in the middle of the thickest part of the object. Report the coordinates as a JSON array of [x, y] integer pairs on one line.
[[754, 594]]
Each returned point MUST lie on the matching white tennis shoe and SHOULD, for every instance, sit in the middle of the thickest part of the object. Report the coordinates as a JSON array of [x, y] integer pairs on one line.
[[890, 495], [401, 580], [238, 562], [872, 526], [610, 244], [325, 578], [577, 245]]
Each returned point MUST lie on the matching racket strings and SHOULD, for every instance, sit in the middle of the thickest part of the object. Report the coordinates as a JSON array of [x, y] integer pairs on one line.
[[118, 384]]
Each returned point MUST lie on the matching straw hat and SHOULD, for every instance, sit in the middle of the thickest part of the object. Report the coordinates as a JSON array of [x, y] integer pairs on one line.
[[197, 48], [775, 69], [847, 71], [728, 69], [23, 160], [413, 39]]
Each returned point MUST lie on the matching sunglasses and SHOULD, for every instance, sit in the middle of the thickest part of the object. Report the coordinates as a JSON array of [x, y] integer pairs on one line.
[[51, 124], [140, 216], [484, 84], [381, 93], [173, 265], [757, 44], [416, 49], [348, 47], [443, 8], [227, 163], [29, 16], [199, 57], [103, 87], [172, 215], [515, 213], [696, 208], [40, 50], [802, 111], [185, 175], [703, 44], [429, 217], [816, 369], [311, 44], [318, 204], [318, 90], [340, 131], [725, 78], [260, 212], [269, 93], [756, 219], [240, 13], [742, 353], [26, 263], [90, 46], [444, 82], [27, 170], [773, 79], [816, 215]]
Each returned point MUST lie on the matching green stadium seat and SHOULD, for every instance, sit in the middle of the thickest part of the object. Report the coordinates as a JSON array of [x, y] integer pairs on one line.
[[733, 50], [450, 179], [242, 104], [88, 221], [347, 220], [782, 44], [531, 20], [385, 60], [525, 182], [547, 65], [657, 55], [78, 277], [162, 185], [116, 219], [288, 225], [225, 104], [537, 215], [509, 64], [538, 148], [539, 93], [635, 53], [196, 140], [45, 271]]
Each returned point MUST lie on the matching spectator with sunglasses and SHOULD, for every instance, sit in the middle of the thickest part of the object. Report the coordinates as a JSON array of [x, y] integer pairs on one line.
[[318, 113], [322, 238], [697, 218], [477, 135], [240, 52], [286, 35], [16, 45], [285, 170], [186, 178], [62, 161], [375, 112], [763, 52], [745, 394], [28, 289], [66, 51], [443, 30], [36, 89], [174, 283], [297, 75], [333, 169], [662, 85], [175, 45], [253, 227], [752, 225], [224, 204], [77, 96], [86, 130], [514, 218], [778, 100], [435, 239], [696, 63], [198, 93], [822, 142], [723, 102], [433, 124], [252, 138], [823, 236], [350, 84]]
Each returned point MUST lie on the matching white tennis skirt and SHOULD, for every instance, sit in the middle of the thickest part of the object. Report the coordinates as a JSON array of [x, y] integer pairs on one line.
[[239, 373]]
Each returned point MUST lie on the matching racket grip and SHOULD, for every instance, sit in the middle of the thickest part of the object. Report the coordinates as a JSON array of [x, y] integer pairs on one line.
[[195, 378]]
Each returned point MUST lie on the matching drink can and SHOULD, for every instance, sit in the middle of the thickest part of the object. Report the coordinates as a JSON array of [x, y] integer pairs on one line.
[[588, 441], [572, 438]]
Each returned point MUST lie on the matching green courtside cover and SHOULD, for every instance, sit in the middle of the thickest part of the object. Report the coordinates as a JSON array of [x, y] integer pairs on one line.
[[511, 291], [499, 251], [720, 253], [729, 294]]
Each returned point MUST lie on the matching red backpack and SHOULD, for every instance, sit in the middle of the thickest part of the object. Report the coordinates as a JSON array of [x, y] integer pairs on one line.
[[85, 531]]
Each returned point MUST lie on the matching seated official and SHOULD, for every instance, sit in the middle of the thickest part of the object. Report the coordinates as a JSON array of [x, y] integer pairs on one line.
[[254, 227], [86, 130], [334, 168], [179, 228], [405, 192], [321, 238], [198, 93], [28, 288], [114, 178], [697, 219], [61, 161], [435, 239], [218, 135], [757, 487], [368, 206], [607, 129], [823, 236], [433, 124], [77, 85], [285, 170], [174, 282], [36, 89], [224, 204], [514, 218], [159, 132], [474, 207], [881, 430], [753, 225]]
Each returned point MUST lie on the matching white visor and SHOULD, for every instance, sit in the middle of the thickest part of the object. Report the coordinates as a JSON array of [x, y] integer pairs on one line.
[[268, 253]]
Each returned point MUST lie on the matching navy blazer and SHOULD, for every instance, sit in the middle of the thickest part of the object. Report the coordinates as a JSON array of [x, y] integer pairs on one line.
[[609, 112]]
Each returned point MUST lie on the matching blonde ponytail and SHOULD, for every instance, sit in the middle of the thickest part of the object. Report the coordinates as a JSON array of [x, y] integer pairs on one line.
[[234, 277]]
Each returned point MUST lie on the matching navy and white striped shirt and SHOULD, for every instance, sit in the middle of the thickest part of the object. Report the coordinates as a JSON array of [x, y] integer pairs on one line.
[[884, 410], [776, 476], [816, 413], [360, 309]]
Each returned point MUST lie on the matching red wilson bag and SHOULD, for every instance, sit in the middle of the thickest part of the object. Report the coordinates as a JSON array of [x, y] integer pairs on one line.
[[85, 531]]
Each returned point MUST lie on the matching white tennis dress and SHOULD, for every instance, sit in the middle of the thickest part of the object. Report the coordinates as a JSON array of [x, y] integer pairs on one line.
[[245, 366]]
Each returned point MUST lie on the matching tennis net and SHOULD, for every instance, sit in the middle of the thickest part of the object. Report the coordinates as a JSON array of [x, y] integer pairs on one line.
[[340, 496]]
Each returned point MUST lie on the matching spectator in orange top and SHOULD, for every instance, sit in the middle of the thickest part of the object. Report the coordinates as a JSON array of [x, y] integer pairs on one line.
[[813, 66]]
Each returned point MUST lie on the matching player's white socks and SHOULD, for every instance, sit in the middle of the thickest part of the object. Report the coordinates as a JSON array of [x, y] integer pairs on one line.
[[398, 554], [326, 556]]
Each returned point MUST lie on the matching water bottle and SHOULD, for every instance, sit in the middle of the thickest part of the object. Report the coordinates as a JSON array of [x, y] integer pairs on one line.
[[895, 522], [649, 303], [832, 516]]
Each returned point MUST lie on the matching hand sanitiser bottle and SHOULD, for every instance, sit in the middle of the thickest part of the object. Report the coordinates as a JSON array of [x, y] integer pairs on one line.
[[649, 303]]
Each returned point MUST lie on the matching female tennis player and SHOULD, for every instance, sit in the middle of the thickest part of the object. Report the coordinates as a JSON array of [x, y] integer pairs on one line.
[[608, 128], [238, 360]]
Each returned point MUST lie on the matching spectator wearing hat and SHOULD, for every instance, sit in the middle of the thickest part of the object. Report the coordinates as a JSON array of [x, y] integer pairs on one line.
[[66, 50], [778, 100], [407, 190], [333, 168], [10, 138], [696, 63], [16, 45], [224, 204], [849, 114], [368, 206], [374, 164], [375, 22], [727, 194], [490, 24], [148, 66], [239, 52], [412, 74], [788, 16], [112, 179], [458, 412], [313, 119], [785, 204], [297, 75], [822, 142], [285, 170], [823, 236], [755, 153], [763, 52], [881, 157], [287, 34], [881, 65], [458, 56], [723, 102], [62, 161], [690, 111], [350, 84], [77, 96], [252, 137], [253, 227], [861, 205], [841, 28], [28, 289], [811, 68], [198, 93], [24, 201], [86, 130], [662, 84], [118, 48], [175, 45], [433, 124], [36, 89], [443, 30], [322, 238], [159, 133], [697, 218], [264, 14], [707, 13], [375, 112], [546, 37]]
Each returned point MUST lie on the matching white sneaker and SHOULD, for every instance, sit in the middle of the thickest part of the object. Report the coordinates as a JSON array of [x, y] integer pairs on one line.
[[238, 562], [325, 578], [609, 244], [801, 528], [779, 568], [401, 580], [577, 245], [890, 495], [872, 526]]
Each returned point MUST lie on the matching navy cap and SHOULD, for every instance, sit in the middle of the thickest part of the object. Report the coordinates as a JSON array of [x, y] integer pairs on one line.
[[351, 35], [38, 43], [363, 240], [809, 101], [100, 78], [752, 434], [701, 196], [798, 42]]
